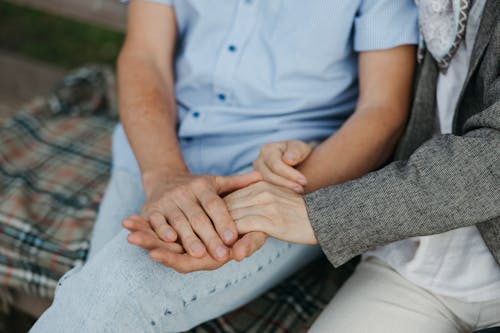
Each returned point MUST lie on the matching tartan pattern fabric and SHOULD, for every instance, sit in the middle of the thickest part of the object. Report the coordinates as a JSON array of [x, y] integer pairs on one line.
[[54, 166], [289, 307]]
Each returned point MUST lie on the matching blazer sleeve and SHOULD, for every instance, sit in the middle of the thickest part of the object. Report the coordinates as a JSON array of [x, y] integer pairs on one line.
[[447, 183]]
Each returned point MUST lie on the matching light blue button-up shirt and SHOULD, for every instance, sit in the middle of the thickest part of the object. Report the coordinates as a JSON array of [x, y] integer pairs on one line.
[[249, 72]]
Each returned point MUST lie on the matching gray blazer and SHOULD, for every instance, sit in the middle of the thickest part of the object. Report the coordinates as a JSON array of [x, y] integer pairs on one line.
[[436, 183]]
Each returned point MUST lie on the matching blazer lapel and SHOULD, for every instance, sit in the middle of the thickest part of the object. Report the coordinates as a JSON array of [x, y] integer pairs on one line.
[[421, 124], [483, 37]]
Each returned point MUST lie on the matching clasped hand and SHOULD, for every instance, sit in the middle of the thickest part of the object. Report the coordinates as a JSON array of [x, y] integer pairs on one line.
[[188, 224]]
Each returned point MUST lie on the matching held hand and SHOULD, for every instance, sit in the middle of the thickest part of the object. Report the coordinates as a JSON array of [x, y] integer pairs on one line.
[[172, 254], [271, 209], [276, 163], [189, 207]]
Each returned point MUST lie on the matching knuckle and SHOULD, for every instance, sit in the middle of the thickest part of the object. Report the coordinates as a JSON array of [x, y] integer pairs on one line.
[[176, 220], [157, 217], [200, 182], [199, 220], [182, 191], [151, 208], [275, 165], [213, 204]]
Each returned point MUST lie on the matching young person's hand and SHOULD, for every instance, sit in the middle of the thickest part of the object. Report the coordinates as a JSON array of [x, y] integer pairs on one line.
[[189, 207], [172, 254], [277, 160], [274, 210]]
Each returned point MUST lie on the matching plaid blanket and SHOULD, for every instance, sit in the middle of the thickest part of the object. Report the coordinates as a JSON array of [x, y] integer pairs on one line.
[[54, 165]]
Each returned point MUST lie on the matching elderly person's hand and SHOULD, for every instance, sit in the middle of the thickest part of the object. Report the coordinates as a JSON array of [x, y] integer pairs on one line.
[[274, 210], [189, 208]]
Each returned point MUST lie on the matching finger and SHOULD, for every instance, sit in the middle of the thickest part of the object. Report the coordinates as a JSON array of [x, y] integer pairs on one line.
[[204, 228], [296, 152], [184, 263], [177, 219], [249, 223], [150, 241], [218, 213], [248, 244], [226, 184], [276, 179], [162, 228], [274, 162], [133, 224]]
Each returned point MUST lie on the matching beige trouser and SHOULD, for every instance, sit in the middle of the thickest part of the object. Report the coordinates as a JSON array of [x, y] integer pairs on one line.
[[377, 299]]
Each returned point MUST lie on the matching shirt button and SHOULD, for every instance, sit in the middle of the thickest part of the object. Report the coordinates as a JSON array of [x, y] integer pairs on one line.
[[231, 48], [196, 114], [222, 97]]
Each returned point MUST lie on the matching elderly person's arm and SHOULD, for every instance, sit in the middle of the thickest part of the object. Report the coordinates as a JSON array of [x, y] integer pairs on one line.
[[191, 203]]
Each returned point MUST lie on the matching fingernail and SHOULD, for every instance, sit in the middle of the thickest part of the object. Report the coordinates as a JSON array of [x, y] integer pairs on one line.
[[302, 181], [221, 252], [290, 156], [196, 247], [298, 189], [169, 234], [228, 235]]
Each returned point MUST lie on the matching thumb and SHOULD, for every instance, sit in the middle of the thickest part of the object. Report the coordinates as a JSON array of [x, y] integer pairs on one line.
[[296, 152], [248, 244], [226, 184]]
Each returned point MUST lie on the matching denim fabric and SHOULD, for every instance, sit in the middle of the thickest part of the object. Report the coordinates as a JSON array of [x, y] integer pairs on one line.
[[121, 290], [124, 196]]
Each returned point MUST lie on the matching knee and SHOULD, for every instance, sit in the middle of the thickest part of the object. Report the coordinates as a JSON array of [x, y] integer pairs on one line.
[[113, 273]]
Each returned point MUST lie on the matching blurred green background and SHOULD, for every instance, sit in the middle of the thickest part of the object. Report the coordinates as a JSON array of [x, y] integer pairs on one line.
[[55, 40]]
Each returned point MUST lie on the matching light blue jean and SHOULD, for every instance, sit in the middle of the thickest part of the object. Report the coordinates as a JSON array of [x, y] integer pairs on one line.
[[120, 289]]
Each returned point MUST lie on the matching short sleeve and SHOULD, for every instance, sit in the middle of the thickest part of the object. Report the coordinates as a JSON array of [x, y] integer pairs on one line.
[[165, 2], [383, 24]]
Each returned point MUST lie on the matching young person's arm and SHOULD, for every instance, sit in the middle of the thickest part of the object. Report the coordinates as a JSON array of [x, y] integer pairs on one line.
[[190, 203], [449, 182], [366, 139]]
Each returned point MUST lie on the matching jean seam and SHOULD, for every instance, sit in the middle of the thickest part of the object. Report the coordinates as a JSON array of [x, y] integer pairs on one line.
[[261, 267]]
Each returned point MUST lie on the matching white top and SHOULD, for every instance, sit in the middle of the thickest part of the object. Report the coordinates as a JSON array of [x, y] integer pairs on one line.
[[455, 263]]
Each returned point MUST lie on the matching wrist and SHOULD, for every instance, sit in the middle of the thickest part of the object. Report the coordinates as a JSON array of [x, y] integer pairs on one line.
[[151, 178]]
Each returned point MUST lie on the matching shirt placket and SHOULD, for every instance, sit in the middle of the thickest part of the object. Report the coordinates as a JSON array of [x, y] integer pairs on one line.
[[232, 50]]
